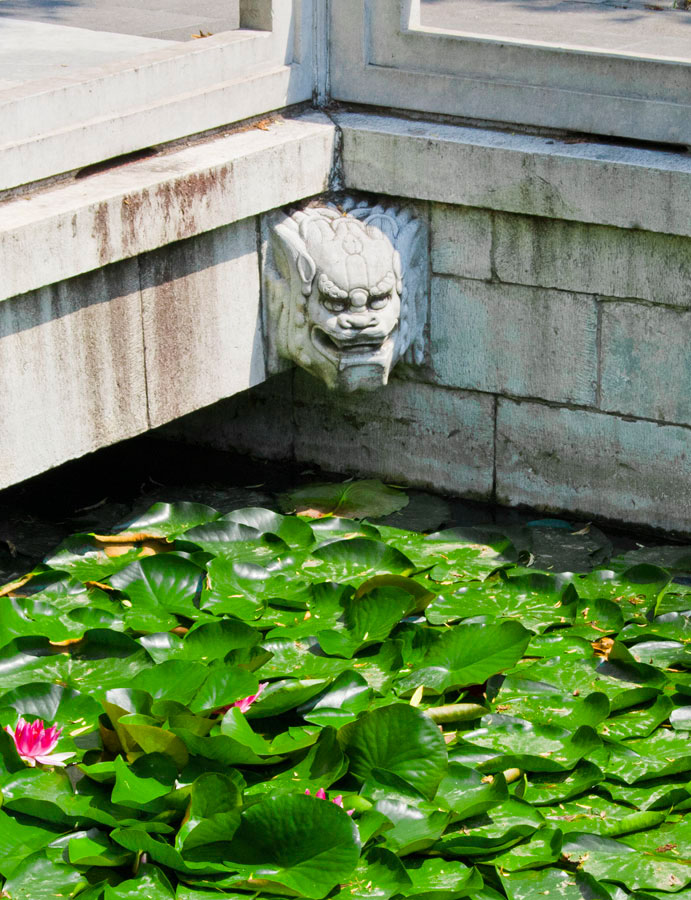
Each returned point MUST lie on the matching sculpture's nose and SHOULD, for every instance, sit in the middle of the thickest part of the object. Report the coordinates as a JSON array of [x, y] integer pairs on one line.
[[357, 316], [357, 319]]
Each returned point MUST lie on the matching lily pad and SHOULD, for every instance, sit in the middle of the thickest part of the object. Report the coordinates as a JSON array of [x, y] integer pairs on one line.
[[352, 500]]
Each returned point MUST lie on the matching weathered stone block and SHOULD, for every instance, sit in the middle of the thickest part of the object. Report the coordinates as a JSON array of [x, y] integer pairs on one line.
[[202, 328], [515, 340], [593, 259], [258, 421], [71, 370], [586, 182], [461, 241], [594, 464], [411, 432], [645, 361]]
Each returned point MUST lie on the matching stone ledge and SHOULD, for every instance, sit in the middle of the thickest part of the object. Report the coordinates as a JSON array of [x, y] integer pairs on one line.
[[74, 228], [587, 182]]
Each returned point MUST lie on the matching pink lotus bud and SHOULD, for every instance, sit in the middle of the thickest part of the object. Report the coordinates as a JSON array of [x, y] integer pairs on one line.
[[244, 704], [35, 743], [321, 795]]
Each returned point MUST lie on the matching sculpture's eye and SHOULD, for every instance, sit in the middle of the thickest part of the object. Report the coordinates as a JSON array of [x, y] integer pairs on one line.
[[333, 304], [379, 302]]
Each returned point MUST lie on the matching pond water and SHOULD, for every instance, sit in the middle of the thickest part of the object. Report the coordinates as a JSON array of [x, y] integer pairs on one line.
[[110, 486]]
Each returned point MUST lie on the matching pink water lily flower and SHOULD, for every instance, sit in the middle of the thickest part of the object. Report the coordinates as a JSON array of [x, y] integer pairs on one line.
[[35, 743], [244, 704], [321, 795]]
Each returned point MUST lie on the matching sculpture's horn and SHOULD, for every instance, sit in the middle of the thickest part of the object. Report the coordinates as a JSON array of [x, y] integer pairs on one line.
[[295, 245]]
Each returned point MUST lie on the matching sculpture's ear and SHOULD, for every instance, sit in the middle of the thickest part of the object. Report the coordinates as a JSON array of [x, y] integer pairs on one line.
[[288, 235]]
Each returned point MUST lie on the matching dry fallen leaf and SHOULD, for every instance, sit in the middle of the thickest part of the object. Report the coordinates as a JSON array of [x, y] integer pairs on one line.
[[602, 647]]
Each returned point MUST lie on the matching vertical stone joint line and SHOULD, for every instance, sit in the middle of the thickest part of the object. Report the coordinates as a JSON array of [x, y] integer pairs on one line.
[[495, 410], [143, 327], [599, 354]]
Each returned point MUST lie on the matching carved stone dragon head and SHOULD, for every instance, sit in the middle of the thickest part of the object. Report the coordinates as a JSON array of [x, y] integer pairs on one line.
[[346, 289]]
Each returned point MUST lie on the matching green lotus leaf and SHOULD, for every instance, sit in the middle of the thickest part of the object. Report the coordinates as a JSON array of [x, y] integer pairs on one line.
[[85, 558], [527, 885], [165, 580], [146, 733], [671, 626], [27, 616], [20, 838], [635, 588], [222, 686], [662, 654], [294, 532], [553, 707], [354, 499], [537, 600], [213, 814], [662, 753], [174, 679], [304, 658], [356, 560], [42, 878], [498, 829], [280, 696], [680, 719], [340, 703], [204, 643], [439, 879], [366, 620], [460, 554], [149, 777], [398, 739], [322, 766], [72, 711], [617, 861], [140, 841], [221, 749], [543, 848], [468, 793], [595, 618], [558, 643], [93, 848], [638, 723], [378, 876], [165, 520], [598, 815], [654, 793], [149, 883], [236, 726], [541, 789], [416, 826], [533, 748], [304, 844], [235, 588], [337, 527], [467, 655], [624, 684], [232, 540]]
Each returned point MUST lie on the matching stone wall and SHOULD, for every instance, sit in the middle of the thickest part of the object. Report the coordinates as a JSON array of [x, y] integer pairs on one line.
[[558, 372], [109, 354]]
